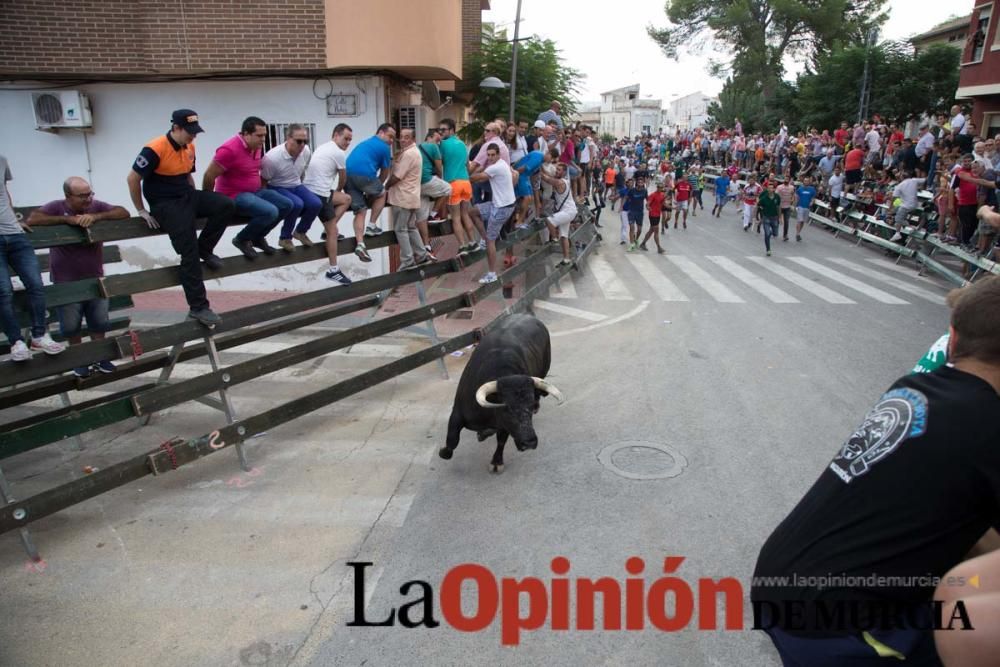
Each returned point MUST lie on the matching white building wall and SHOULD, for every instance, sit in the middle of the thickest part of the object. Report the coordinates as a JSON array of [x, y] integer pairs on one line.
[[126, 116]]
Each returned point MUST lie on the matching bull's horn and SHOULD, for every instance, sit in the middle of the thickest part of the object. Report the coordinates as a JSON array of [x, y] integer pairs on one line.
[[550, 389], [485, 390]]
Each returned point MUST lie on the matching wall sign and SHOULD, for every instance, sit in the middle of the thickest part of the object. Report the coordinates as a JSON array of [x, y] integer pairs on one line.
[[342, 104]]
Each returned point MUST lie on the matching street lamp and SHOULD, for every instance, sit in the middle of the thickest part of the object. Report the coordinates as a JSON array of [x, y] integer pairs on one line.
[[493, 83]]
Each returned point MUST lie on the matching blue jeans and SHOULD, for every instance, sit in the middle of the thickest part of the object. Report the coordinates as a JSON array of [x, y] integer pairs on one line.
[[265, 208], [304, 204], [17, 252], [72, 314], [770, 229]]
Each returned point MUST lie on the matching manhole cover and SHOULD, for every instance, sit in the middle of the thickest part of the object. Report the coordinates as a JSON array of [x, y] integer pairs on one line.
[[638, 459]]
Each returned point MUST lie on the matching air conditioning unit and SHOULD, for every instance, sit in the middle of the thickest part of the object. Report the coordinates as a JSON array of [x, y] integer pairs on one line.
[[55, 109]]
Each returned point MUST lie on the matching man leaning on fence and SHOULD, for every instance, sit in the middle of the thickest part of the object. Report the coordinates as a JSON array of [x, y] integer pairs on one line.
[[163, 170], [17, 253], [79, 261], [404, 197]]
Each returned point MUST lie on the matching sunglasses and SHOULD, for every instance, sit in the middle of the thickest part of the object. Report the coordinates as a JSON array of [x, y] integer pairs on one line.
[[301, 142]]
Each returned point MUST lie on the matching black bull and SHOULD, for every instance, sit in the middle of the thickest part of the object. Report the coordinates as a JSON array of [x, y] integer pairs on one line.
[[501, 385]]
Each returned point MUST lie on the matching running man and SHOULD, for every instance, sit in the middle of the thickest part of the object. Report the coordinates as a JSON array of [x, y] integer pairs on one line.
[[682, 195], [636, 197], [770, 205], [750, 193], [721, 193], [805, 194], [655, 203]]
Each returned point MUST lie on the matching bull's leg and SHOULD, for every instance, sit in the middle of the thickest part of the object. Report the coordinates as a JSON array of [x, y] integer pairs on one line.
[[454, 432], [496, 465]]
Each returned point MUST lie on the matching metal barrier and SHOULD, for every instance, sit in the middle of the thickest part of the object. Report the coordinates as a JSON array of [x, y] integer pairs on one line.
[[238, 327]]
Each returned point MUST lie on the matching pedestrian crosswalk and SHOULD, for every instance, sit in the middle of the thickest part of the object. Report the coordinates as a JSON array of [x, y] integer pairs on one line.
[[741, 280]]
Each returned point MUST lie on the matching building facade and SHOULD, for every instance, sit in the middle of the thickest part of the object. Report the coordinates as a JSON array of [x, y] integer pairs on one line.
[[690, 111], [625, 114], [951, 32], [979, 80], [286, 61]]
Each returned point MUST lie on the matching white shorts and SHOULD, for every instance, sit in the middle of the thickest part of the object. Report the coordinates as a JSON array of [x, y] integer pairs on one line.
[[801, 214], [682, 205], [562, 220]]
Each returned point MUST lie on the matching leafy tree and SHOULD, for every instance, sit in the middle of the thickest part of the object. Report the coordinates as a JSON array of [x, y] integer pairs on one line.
[[758, 34], [903, 85], [542, 77]]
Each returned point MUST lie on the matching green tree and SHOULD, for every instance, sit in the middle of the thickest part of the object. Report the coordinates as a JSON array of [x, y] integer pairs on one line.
[[903, 85], [542, 77], [758, 34]]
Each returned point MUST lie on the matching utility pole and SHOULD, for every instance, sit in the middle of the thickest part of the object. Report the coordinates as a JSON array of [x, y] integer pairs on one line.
[[513, 60], [865, 83]]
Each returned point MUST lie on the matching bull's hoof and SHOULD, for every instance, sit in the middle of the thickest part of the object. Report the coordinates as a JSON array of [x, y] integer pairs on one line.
[[445, 453], [496, 468]]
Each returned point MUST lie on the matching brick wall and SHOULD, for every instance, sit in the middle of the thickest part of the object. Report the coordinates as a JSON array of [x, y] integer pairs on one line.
[[154, 36], [472, 31]]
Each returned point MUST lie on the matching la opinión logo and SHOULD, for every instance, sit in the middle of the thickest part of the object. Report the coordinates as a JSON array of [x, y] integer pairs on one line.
[[625, 605]]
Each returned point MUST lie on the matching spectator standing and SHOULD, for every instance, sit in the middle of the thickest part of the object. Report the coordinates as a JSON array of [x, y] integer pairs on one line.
[[282, 170], [235, 173], [162, 172], [79, 261], [404, 197], [491, 216], [17, 253], [551, 115], [455, 165]]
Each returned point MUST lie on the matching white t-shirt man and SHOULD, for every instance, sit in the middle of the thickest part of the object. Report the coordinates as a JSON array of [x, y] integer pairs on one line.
[[836, 184], [501, 183], [907, 190], [958, 123], [925, 144], [321, 174], [873, 140]]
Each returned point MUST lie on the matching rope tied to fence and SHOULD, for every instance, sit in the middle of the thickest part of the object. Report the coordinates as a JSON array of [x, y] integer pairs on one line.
[[136, 345], [171, 454]]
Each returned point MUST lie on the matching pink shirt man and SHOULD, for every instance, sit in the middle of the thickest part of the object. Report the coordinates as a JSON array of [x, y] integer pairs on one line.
[[241, 168]]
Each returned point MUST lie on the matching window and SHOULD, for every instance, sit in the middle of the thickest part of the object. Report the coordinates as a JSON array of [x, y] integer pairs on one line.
[[276, 134], [991, 125], [978, 37]]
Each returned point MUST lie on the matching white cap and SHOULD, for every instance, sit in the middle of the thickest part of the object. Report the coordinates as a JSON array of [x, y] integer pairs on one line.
[[540, 124]]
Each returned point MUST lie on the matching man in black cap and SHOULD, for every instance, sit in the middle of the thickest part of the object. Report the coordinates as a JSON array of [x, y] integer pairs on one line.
[[163, 168]]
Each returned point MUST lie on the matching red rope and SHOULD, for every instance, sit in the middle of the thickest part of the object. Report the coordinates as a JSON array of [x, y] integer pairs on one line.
[[169, 449], [136, 345]]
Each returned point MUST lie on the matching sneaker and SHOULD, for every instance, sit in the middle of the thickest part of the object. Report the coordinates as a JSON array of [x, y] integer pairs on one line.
[[621, 243], [631, 247], [82, 371], [896, 237], [303, 239], [642, 246], [685, 225], [213, 262], [784, 238], [286, 245], [427, 259], [20, 352], [362, 253], [429, 248], [47, 345], [482, 245], [337, 277], [798, 237], [563, 262], [246, 248], [264, 246], [105, 366], [205, 316], [746, 228], [372, 230], [768, 253], [661, 251], [488, 278]]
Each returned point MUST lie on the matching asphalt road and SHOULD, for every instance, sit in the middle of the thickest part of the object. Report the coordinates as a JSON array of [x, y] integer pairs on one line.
[[706, 390], [750, 377]]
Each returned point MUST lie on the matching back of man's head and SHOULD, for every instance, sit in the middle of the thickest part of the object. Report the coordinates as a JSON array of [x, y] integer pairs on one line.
[[975, 319]]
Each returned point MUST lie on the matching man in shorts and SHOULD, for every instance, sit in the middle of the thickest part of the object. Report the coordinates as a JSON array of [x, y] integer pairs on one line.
[[636, 197], [491, 216], [564, 211], [326, 177], [434, 190], [682, 195], [455, 165], [655, 203], [804, 195], [368, 168]]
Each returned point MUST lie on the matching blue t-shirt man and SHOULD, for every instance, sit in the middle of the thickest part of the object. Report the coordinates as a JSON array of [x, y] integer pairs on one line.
[[806, 194], [368, 157], [635, 202], [722, 185], [530, 164]]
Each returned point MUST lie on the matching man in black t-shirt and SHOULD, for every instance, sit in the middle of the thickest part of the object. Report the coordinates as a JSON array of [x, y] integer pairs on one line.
[[848, 577]]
